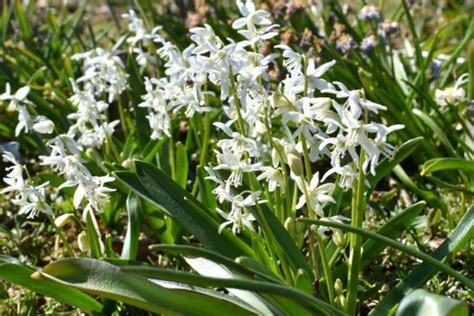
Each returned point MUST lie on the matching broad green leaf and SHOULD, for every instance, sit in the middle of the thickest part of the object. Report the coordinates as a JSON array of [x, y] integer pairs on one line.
[[316, 305], [14, 272], [158, 188], [303, 282], [208, 268], [392, 229], [284, 241], [421, 302], [109, 281], [137, 90], [439, 164], [463, 232], [195, 252], [130, 244], [395, 244]]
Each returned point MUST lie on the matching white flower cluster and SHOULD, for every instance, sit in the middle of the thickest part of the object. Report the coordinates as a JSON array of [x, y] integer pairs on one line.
[[91, 127], [141, 38], [252, 104], [31, 199], [103, 74], [65, 160]]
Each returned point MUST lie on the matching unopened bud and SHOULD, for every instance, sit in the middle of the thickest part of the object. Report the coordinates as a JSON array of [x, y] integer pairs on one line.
[[338, 238], [294, 161], [127, 163], [44, 126], [83, 242], [338, 286], [62, 220], [341, 301], [290, 225]]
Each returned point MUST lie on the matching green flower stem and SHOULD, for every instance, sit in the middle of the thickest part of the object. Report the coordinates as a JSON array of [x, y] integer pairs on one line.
[[355, 241], [204, 148], [172, 156], [123, 118], [326, 268], [273, 248], [321, 249]]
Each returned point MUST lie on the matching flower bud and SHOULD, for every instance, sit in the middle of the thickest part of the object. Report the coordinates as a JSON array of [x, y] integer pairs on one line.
[[44, 126], [290, 225], [338, 238], [127, 163], [62, 220], [83, 242], [341, 301], [294, 161], [338, 286]]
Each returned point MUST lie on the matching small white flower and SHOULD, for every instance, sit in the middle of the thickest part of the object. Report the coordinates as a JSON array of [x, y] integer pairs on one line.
[[452, 95], [317, 194], [15, 99]]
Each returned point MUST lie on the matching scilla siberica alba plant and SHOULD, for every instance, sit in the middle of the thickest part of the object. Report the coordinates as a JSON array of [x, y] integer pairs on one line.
[[273, 132], [280, 151]]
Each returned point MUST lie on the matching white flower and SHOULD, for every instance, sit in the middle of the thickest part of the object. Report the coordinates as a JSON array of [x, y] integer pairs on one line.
[[346, 173], [239, 215], [25, 121], [274, 176], [252, 19], [317, 194], [251, 16], [452, 95], [16, 99], [237, 164], [14, 178], [30, 199]]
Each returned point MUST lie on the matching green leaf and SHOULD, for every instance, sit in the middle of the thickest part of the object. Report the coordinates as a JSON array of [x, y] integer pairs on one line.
[[195, 252], [315, 304], [392, 229], [158, 188], [463, 232], [284, 240], [137, 90], [387, 165], [421, 302], [432, 199], [438, 164], [130, 244], [16, 273], [392, 243], [23, 21], [303, 282], [437, 130], [109, 281], [182, 166]]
